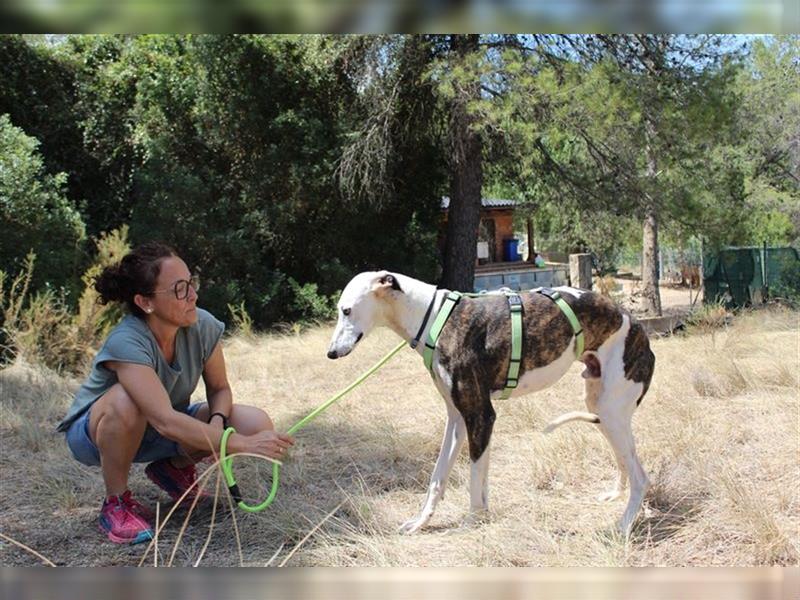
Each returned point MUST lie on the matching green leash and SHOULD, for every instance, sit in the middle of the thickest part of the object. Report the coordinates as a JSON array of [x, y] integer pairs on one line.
[[226, 462]]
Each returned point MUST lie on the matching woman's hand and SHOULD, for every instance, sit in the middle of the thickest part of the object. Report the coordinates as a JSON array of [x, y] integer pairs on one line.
[[271, 444]]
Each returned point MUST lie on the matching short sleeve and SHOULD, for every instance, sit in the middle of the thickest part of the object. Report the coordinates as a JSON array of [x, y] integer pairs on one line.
[[210, 330], [127, 345]]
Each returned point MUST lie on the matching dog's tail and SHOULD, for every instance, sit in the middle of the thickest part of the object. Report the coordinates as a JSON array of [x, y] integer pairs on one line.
[[572, 416]]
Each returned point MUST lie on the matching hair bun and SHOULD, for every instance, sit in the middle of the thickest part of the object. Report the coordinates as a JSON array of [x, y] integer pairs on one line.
[[111, 284]]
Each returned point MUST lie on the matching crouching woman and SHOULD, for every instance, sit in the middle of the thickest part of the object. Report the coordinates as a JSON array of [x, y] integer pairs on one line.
[[134, 405]]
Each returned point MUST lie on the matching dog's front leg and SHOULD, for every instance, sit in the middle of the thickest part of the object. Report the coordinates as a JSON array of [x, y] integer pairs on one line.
[[455, 432], [479, 432]]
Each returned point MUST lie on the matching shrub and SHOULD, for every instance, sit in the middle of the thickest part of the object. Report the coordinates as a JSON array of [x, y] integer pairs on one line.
[[41, 328], [309, 305]]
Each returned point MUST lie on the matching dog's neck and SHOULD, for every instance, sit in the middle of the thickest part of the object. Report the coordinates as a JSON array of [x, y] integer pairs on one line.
[[406, 310]]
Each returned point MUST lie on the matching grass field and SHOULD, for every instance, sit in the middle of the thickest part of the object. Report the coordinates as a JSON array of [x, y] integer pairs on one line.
[[717, 433]]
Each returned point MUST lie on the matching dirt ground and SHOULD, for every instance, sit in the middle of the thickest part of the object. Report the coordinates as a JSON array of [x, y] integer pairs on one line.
[[675, 299]]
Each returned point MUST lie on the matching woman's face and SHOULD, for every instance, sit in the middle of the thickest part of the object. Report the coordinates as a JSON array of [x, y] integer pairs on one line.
[[179, 309]]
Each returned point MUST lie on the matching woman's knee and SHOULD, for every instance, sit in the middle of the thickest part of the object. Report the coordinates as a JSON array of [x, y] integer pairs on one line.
[[249, 419], [116, 408]]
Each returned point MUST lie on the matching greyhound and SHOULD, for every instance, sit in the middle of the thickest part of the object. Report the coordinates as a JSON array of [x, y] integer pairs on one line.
[[471, 361]]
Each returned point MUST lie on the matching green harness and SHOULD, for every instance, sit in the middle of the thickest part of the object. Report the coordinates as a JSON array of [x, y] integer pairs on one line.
[[515, 307]]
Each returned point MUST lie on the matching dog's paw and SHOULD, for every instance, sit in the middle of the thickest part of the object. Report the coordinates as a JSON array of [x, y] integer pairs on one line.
[[609, 496], [414, 525], [475, 518]]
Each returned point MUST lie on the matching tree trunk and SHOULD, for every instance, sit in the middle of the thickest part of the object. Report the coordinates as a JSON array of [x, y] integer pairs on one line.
[[650, 274], [466, 180], [650, 292]]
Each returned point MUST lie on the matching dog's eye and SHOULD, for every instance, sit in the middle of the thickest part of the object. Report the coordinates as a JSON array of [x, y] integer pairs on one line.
[[346, 312]]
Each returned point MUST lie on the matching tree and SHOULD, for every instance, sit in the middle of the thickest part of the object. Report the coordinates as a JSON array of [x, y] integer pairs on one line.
[[40, 93], [769, 121], [466, 168], [35, 214], [623, 125], [443, 89]]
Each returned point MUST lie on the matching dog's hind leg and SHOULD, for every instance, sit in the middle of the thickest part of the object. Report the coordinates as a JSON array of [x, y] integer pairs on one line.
[[615, 408], [622, 472], [455, 432], [620, 436]]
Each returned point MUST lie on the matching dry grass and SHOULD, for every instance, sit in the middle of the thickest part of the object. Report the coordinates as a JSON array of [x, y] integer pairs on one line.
[[718, 433]]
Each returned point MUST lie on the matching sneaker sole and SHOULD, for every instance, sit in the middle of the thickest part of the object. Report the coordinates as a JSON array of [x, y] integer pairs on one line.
[[142, 536]]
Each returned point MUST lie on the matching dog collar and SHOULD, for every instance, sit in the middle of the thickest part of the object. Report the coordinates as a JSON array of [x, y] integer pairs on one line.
[[415, 341]]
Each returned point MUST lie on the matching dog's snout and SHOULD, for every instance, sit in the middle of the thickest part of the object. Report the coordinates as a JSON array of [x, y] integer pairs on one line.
[[333, 354]]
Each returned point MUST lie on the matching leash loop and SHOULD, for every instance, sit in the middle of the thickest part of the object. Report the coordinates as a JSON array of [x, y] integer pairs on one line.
[[226, 462]]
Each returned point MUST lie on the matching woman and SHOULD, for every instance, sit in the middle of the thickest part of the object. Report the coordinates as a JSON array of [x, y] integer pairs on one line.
[[134, 406]]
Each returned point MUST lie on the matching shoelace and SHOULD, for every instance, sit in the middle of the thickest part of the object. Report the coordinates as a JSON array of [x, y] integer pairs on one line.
[[134, 506]]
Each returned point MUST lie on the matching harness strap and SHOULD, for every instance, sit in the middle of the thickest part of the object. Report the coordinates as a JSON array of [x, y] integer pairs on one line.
[[449, 303], [512, 379], [570, 314]]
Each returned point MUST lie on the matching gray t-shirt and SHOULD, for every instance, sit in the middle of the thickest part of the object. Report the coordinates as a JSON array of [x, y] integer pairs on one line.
[[132, 341]]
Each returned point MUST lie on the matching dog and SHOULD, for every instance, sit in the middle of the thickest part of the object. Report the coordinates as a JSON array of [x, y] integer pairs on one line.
[[471, 361]]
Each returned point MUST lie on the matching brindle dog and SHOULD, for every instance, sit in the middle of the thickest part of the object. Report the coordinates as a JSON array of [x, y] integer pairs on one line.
[[471, 362]]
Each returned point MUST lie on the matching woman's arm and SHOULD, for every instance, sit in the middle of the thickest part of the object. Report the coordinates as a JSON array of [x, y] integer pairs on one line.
[[149, 395], [218, 391]]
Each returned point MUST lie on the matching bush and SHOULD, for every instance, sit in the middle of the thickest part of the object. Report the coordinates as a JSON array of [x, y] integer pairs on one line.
[[309, 305], [41, 327]]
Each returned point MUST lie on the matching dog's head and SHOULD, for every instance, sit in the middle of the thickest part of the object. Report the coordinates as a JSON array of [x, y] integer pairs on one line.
[[362, 306]]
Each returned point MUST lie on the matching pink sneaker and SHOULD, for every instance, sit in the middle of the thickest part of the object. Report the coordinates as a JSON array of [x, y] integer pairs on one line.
[[121, 519], [137, 507], [173, 480]]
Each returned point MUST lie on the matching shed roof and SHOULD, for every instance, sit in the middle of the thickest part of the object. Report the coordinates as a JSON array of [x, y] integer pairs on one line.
[[485, 203]]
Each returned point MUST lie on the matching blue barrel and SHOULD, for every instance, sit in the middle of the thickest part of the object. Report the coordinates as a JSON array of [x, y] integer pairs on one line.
[[511, 251]]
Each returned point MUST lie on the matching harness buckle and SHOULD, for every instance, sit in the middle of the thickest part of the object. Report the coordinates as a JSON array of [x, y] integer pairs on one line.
[[514, 302], [550, 293]]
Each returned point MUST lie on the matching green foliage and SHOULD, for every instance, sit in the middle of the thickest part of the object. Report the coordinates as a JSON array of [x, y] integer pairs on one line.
[[611, 129], [769, 119], [226, 147], [309, 305], [35, 214], [272, 160], [40, 95]]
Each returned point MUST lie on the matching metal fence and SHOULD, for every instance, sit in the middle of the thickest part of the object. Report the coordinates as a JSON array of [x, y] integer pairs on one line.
[[751, 275]]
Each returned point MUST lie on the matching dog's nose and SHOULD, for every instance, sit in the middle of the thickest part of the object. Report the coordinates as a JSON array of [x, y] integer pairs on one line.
[[332, 354]]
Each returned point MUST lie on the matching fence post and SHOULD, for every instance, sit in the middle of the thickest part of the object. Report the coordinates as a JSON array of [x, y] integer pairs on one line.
[[580, 271]]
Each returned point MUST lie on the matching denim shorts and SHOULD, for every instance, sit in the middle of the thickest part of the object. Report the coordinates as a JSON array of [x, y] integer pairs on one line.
[[154, 446]]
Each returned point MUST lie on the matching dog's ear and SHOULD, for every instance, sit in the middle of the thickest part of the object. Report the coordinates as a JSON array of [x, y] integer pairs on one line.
[[385, 283]]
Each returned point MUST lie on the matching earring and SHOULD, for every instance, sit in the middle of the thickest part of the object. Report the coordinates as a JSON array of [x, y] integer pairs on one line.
[[149, 310]]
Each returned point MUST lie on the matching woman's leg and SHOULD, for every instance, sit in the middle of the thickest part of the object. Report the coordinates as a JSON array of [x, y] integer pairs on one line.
[[116, 426]]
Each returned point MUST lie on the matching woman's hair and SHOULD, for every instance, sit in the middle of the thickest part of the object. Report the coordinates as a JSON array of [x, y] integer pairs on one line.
[[136, 273]]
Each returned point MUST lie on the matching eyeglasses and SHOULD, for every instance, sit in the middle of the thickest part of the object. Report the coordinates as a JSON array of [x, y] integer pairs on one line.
[[181, 287]]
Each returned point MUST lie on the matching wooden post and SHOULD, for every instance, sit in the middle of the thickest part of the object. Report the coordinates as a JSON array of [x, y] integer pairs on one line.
[[531, 245], [580, 271]]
